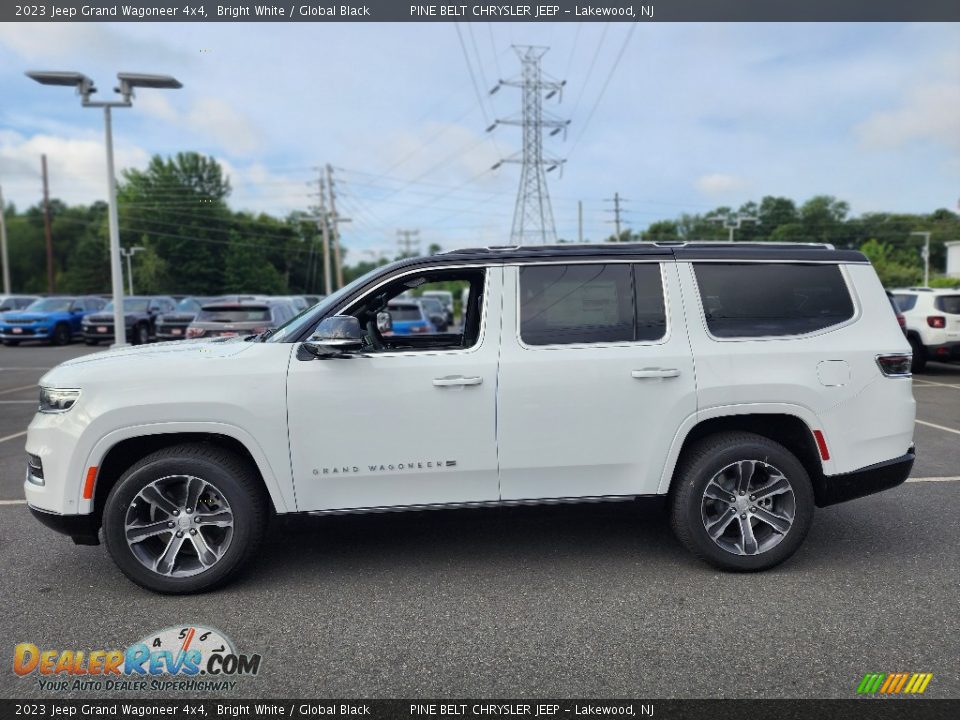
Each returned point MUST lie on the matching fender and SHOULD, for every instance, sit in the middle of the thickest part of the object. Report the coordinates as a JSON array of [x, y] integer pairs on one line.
[[281, 493], [805, 414]]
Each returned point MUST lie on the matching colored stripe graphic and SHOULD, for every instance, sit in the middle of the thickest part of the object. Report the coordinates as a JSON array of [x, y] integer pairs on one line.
[[894, 683]]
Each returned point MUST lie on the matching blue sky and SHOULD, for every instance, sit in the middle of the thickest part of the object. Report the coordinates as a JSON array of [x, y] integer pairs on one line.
[[693, 116]]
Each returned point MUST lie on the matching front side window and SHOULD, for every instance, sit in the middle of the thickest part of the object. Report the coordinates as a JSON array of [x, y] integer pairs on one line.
[[772, 299], [601, 303]]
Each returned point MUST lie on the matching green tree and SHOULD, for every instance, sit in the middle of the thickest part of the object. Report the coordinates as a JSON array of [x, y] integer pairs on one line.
[[248, 270]]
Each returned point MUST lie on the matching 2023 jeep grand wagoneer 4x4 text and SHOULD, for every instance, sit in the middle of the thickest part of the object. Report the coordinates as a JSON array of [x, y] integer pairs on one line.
[[746, 383]]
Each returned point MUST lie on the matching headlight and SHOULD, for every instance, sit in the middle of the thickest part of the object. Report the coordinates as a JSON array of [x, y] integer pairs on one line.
[[57, 400]]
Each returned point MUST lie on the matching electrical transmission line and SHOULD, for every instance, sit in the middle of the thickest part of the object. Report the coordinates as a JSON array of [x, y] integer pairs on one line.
[[533, 215], [409, 242]]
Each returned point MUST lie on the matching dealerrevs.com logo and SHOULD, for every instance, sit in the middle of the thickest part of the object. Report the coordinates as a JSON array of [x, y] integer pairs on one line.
[[191, 658]]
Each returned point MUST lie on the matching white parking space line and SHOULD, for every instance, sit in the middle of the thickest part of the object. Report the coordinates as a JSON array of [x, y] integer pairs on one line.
[[32, 367], [955, 478], [18, 402], [14, 436], [13, 502], [17, 389], [938, 427], [930, 383]]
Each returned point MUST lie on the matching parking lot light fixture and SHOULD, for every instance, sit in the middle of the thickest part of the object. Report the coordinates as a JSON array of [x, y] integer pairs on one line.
[[85, 88]]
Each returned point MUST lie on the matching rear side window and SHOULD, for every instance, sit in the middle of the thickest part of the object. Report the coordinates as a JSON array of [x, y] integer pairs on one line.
[[574, 304], [950, 304], [905, 302], [769, 299]]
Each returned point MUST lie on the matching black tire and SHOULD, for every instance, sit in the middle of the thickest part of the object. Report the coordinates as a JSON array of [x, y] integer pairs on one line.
[[701, 463], [61, 334], [919, 355], [141, 334], [11, 343], [233, 478]]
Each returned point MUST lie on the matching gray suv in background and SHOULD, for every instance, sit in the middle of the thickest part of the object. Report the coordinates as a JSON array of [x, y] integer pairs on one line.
[[242, 317]]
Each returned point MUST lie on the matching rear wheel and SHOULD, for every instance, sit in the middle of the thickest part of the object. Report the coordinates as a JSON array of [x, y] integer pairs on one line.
[[185, 519], [919, 355], [61, 335], [742, 502]]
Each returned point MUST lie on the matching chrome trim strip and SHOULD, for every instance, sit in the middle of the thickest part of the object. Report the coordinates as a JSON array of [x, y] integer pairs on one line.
[[477, 504]]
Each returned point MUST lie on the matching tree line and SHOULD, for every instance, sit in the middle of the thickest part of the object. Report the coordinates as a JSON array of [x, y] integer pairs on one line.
[[193, 243]]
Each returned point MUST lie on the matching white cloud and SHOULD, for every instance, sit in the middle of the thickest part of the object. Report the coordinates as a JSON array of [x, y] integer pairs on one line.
[[76, 167], [929, 112], [218, 120], [719, 184]]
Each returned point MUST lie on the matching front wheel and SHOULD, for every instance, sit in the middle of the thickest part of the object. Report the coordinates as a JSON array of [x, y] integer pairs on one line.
[[141, 335], [742, 502], [185, 519], [61, 335]]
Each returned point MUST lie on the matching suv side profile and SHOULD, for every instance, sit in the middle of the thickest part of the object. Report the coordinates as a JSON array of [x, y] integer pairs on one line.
[[746, 384], [932, 318], [54, 319]]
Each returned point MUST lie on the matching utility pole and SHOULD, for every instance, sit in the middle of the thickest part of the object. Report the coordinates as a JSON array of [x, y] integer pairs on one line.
[[533, 214], [579, 220], [335, 221], [926, 256], [47, 232], [617, 210], [129, 253], [735, 222], [4, 257], [407, 240]]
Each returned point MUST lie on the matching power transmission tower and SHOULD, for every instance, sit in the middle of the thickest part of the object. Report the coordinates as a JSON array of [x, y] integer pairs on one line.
[[409, 242], [335, 221], [617, 211], [735, 222], [47, 232], [533, 215]]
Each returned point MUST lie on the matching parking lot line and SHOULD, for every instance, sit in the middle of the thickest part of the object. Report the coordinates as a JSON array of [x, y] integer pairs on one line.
[[13, 502], [955, 478], [14, 436], [938, 427], [18, 402], [930, 383], [17, 389]]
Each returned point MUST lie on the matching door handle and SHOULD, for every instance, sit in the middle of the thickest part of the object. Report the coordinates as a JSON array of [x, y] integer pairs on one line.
[[456, 381], [655, 373]]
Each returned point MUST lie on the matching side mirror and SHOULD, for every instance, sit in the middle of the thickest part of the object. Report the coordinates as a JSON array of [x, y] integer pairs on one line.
[[335, 336], [384, 322]]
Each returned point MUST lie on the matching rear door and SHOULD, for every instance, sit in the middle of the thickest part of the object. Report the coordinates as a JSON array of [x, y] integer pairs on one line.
[[596, 377]]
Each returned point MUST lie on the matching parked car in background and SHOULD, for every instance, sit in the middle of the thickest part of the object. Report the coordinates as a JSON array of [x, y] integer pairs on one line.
[[409, 317], [16, 302], [54, 319], [299, 302], [140, 314], [446, 299], [436, 312], [173, 325], [244, 317], [933, 323]]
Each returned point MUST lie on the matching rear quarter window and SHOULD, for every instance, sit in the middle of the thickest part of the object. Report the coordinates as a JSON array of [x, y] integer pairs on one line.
[[905, 302], [772, 299]]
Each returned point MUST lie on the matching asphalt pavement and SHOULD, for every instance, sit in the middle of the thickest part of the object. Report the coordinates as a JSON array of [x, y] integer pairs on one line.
[[586, 601]]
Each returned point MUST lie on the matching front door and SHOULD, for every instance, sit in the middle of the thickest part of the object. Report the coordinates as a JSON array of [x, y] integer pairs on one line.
[[412, 421], [596, 377]]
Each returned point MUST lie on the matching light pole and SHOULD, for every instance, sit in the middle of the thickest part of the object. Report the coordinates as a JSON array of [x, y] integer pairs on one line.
[[926, 256], [85, 88], [735, 222], [129, 253]]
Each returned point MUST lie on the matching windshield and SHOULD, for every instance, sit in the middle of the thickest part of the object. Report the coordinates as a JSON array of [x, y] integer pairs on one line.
[[432, 305], [130, 305], [256, 313], [188, 305], [50, 305], [295, 324]]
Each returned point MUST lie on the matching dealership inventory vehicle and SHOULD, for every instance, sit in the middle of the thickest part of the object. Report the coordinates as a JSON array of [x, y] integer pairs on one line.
[[15, 302], [409, 317], [140, 317], [53, 319], [173, 325], [229, 318], [933, 323], [445, 297], [746, 384]]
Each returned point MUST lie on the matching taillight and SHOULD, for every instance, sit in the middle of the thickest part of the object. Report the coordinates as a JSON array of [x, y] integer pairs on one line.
[[895, 365], [936, 321], [418, 329], [195, 332]]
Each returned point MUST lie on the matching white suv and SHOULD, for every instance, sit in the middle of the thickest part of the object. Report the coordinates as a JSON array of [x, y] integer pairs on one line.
[[744, 383], [932, 323]]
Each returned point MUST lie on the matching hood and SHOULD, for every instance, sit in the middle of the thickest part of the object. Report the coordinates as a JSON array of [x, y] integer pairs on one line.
[[27, 317]]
